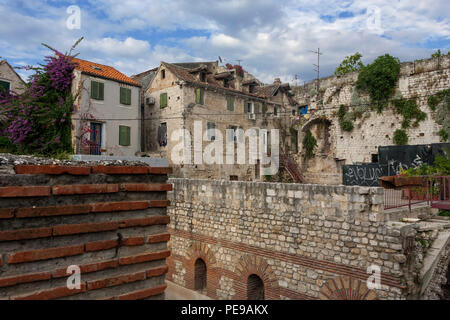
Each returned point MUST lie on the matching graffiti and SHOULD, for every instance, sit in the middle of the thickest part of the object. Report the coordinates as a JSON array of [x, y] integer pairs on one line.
[[366, 174]]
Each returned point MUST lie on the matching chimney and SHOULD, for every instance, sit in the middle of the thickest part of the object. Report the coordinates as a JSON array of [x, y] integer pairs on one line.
[[277, 80]]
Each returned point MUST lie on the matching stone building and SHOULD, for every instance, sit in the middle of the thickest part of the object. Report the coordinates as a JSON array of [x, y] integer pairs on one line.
[[9, 79], [418, 81], [218, 98], [107, 121]]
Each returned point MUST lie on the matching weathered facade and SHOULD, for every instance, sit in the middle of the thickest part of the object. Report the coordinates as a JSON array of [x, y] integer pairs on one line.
[[299, 241], [107, 120], [418, 80], [181, 95], [9, 79]]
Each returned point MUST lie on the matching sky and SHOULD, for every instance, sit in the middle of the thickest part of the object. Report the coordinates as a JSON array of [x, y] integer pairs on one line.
[[272, 38]]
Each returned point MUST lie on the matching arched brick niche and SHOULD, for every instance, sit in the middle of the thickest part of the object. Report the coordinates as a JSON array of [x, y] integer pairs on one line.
[[199, 257], [346, 288], [249, 271]]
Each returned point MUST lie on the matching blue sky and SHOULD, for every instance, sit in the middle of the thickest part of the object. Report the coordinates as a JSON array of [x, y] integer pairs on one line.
[[273, 38]]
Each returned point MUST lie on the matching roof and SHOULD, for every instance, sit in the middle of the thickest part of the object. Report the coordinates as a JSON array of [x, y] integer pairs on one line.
[[267, 91], [193, 65], [184, 74], [103, 71], [144, 78], [18, 76]]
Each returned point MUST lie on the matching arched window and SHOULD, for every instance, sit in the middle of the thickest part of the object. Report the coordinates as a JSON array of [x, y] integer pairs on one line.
[[200, 275], [255, 288]]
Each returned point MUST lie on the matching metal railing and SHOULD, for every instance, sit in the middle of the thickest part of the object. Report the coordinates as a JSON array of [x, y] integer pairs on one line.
[[434, 191]]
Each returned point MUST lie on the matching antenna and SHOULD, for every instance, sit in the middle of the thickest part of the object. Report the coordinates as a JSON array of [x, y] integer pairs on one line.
[[317, 66], [239, 61], [220, 59]]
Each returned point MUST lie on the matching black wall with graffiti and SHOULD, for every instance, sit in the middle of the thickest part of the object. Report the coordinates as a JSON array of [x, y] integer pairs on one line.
[[391, 160]]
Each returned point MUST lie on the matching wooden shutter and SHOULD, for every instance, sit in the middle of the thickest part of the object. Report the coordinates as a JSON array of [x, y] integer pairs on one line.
[[101, 90], [94, 90], [124, 135], [230, 103], [163, 100], [199, 99], [125, 96]]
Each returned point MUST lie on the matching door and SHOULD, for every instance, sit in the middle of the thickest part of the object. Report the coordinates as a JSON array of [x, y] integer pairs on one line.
[[96, 138]]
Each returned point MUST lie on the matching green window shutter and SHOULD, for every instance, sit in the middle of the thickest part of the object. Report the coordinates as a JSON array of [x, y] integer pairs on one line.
[[94, 90], [163, 100], [125, 96], [230, 103], [199, 96], [202, 96], [4, 85], [124, 135], [101, 91]]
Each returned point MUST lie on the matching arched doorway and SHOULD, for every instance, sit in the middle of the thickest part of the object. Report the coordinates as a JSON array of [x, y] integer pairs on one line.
[[200, 275], [255, 288]]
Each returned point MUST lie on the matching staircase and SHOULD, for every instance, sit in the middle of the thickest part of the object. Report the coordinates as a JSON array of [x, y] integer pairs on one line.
[[291, 167]]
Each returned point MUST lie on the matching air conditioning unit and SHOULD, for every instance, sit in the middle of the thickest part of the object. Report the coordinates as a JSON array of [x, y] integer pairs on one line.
[[150, 101], [252, 116]]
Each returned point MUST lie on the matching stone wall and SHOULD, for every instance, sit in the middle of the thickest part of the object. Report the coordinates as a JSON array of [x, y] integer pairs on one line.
[[417, 80], [110, 221], [303, 241], [8, 74]]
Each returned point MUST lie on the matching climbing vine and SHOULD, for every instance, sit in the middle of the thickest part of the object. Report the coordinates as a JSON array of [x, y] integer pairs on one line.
[[409, 110], [400, 137], [440, 102], [309, 143], [345, 119]]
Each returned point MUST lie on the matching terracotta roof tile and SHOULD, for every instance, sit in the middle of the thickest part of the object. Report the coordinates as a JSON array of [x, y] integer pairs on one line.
[[103, 71]]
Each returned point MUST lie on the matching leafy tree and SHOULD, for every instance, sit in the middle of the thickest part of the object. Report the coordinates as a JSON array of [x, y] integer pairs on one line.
[[310, 143], [379, 79], [437, 54], [349, 64]]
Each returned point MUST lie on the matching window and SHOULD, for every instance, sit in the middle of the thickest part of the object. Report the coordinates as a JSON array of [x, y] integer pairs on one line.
[[230, 103], [375, 158], [163, 100], [248, 106], [124, 136], [202, 77], [234, 178], [199, 99], [211, 131], [125, 96], [226, 83], [275, 111], [232, 133], [97, 90], [293, 112], [163, 74], [5, 85], [162, 134], [257, 108], [251, 88]]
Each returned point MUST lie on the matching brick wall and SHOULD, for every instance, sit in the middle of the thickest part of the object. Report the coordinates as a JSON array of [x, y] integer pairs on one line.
[[108, 220], [302, 241]]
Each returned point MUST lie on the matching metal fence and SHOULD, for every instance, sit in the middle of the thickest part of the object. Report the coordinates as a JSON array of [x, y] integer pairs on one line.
[[434, 191]]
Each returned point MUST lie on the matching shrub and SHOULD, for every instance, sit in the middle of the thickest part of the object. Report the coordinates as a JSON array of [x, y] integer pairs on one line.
[[309, 143], [400, 137], [350, 64]]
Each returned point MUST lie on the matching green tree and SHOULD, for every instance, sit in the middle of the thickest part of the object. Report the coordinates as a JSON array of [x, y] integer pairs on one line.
[[349, 64], [437, 54], [310, 143]]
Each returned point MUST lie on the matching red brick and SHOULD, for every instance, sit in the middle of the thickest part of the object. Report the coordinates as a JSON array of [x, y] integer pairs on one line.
[[144, 257], [119, 206], [120, 169], [114, 281], [142, 294], [53, 211], [85, 189], [23, 234], [146, 187], [24, 278], [52, 169], [84, 228], [87, 268], [34, 191], [52, 293], [137, 241], [160, 170], [163, 237], [159, 203], [145, 221], [155, 272], [44, 254], [101, 245], [6, 213]]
